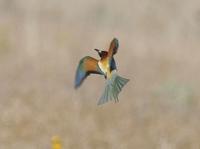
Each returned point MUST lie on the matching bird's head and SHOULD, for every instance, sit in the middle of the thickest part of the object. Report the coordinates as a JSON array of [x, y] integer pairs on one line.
[[101, 53]]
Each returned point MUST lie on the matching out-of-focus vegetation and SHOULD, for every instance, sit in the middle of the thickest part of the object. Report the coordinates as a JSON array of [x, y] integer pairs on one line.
[[41, 43]]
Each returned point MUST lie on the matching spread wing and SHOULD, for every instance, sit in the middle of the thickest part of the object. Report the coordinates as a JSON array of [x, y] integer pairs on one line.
[[113, 47], [87, 65]]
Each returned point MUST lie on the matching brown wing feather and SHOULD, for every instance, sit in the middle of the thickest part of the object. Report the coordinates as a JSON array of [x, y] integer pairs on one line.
[[90, 64], [87, 65], [113, 47]]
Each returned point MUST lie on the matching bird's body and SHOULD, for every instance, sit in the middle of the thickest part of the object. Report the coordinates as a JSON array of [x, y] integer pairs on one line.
[[105, 66], [107, 62]]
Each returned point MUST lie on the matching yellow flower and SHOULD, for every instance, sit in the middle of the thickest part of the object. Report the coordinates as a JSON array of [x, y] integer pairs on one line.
[[56, 143]]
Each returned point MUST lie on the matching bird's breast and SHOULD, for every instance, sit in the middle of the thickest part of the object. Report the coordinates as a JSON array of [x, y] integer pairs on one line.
[[104, 65]]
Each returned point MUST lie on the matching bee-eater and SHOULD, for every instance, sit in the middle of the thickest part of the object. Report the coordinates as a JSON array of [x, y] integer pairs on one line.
[[106, 66]]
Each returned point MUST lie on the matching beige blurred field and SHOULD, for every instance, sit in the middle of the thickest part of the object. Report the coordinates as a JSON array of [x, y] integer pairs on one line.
[[41, 42]]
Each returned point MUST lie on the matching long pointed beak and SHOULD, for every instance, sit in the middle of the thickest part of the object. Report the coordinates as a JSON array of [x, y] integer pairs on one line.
[[96, 50]]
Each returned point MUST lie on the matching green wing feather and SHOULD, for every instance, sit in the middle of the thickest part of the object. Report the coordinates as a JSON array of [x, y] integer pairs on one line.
[[112, 89]]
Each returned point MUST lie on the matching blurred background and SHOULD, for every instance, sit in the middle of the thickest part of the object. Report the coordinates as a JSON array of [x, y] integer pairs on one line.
[[41, 43]]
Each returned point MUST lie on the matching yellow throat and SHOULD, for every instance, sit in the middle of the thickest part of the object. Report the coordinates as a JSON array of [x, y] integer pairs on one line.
[[105, 67]]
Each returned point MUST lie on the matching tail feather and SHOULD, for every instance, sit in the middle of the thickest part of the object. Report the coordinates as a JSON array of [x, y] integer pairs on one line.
[[112, 89]]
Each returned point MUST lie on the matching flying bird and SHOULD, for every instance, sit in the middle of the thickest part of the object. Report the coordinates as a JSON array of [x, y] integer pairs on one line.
[[105, 66]]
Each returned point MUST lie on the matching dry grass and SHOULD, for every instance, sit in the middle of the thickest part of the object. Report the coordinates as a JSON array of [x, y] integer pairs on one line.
[[41, 43]]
